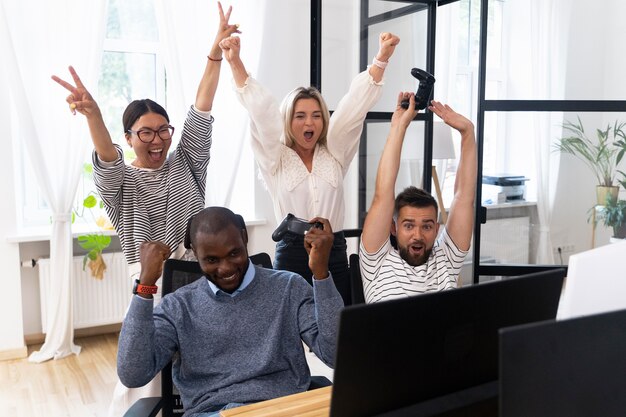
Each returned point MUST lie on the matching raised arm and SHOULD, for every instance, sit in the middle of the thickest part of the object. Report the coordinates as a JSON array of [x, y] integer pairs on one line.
[[380, 215], [346, 123], [460, 223], [322, 337], [143, 349], [318, 244], [211, 76], [266, 123], [231, 48], [386, 45], [81, 101]]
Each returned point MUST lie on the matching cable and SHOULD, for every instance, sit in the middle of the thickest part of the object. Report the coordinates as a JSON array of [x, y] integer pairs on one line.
[[560, 254]]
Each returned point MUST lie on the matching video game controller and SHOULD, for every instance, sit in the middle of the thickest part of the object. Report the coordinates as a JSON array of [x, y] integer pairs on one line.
[[424, 91], [295, 225]]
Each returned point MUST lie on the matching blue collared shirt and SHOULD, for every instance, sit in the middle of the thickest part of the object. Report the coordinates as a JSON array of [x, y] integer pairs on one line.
[[247, 279]]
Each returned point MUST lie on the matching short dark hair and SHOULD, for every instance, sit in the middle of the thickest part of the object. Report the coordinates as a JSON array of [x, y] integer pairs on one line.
[[138, 108], [212, 220], [414, 197]]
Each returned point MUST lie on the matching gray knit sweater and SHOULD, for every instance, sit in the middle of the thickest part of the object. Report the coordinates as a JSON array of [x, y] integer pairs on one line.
[[242, 349]]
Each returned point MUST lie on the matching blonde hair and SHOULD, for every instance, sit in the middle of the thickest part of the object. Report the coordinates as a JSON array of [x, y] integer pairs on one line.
[[287, 110]]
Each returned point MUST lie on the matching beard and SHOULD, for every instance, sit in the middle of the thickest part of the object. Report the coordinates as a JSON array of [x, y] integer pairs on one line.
[[414, 260]]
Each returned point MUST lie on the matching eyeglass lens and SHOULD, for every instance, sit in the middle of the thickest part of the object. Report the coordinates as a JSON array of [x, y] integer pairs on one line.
[[147, 135]]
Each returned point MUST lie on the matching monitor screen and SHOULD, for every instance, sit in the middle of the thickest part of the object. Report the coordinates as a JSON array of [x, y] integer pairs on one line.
[[565, 368], [595, 283], [407, 353]]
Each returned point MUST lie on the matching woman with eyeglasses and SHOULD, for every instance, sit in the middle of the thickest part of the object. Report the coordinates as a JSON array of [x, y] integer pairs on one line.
[[152, 198]]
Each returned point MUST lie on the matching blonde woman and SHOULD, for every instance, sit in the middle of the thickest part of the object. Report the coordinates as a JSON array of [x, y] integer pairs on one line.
[[304, 153]]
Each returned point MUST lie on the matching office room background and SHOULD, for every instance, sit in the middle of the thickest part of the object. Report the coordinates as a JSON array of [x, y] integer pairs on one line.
[[537, 50]]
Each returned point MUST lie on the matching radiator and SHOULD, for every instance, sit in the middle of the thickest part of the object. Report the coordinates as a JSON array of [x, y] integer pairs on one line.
[[506, 240], [96, 302]]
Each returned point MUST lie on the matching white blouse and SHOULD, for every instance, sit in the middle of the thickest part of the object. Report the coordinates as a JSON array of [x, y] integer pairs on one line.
[[292, 187]]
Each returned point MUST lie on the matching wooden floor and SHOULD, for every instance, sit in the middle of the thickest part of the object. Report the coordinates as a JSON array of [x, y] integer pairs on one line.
[[75, 386]]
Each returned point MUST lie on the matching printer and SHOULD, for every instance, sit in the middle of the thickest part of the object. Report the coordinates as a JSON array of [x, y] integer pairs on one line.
[[501, 188]]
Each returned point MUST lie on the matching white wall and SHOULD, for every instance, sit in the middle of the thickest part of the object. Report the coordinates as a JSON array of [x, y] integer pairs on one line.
[[595, 65]]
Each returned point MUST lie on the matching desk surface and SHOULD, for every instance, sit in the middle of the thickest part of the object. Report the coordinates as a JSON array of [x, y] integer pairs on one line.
[[314, 403]]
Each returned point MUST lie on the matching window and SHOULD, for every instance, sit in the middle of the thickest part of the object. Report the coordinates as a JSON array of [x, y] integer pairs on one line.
[[131, 64], [131, 68], [465, 98]]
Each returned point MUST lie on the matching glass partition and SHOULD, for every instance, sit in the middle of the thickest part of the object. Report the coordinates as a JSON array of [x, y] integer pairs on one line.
[[540, 201], [410, 53], [565, 50]]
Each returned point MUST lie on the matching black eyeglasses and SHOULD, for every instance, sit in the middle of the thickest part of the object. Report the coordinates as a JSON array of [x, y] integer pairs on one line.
[[147, 135]]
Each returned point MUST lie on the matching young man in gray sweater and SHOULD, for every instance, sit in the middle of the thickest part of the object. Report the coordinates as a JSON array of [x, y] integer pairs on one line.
[[238, 332]]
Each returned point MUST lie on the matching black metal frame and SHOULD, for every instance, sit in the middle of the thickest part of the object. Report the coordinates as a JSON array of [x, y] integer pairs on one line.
[[374, 117], [485, 105], [377, 117], [316, 44]]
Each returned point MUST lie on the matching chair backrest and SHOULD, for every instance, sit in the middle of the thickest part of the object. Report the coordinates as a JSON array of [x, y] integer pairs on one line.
[[261, 259], [356, 284], [176, 274]]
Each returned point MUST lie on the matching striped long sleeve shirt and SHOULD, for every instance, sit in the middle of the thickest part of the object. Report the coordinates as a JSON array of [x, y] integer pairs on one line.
[[155, 204]]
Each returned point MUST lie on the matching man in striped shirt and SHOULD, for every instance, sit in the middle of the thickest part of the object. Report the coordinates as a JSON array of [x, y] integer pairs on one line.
[[424, 260]]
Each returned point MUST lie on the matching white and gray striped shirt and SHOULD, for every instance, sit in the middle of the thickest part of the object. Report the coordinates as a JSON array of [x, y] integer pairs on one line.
[[386, 275], [155, 204]]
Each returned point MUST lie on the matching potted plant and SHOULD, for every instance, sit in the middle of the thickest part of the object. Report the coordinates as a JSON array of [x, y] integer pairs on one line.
[[613, 215], [601, 156], [95, 242]]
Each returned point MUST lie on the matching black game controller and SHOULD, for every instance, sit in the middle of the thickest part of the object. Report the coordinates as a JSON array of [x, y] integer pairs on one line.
[[424, 91], [295, 225]]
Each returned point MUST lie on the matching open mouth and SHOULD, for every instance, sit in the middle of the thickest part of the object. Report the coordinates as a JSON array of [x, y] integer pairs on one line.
[[308, 135], [416, 249], [155, 154]]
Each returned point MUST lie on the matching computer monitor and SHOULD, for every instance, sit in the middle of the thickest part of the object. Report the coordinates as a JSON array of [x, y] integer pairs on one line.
[[433, 353], [595, 283], [568, 368]]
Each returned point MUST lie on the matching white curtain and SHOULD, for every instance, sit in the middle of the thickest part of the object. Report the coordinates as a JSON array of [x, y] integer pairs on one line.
[[186, 32], [446, 60], [446, 57], [549, 24], [41, 38]]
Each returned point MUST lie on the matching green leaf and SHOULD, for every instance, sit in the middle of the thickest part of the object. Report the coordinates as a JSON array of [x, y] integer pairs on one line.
[[95, 242], [86, 242], [90, 202], [87, 168]]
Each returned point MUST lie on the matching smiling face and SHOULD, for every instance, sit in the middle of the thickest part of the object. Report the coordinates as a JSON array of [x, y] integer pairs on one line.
[[223, 256], [307, 124], [149, 155], [415, 230]]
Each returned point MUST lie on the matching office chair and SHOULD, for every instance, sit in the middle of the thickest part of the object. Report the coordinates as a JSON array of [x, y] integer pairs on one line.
[[178, 273], [356, 286]]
